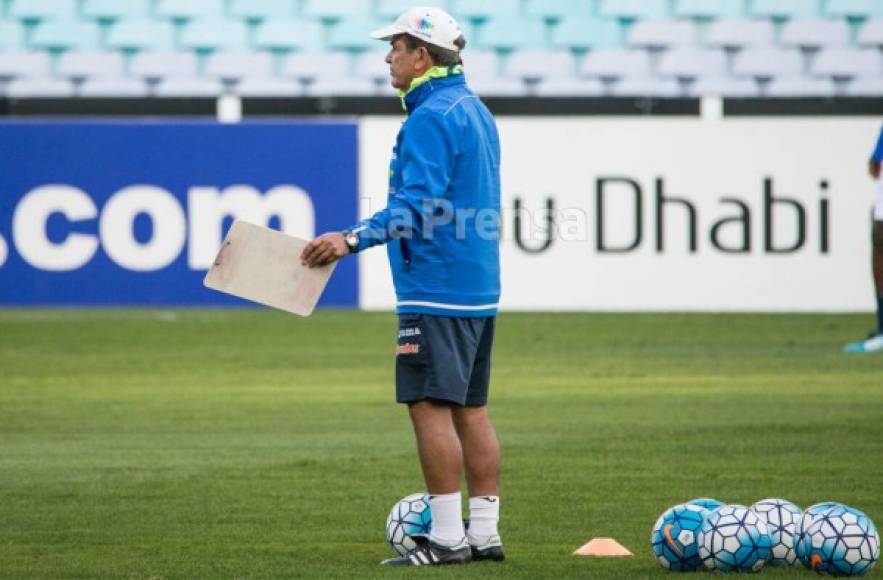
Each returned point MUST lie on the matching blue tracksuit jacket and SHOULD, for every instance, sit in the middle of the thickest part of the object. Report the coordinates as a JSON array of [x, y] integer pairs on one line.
[[442, 219]]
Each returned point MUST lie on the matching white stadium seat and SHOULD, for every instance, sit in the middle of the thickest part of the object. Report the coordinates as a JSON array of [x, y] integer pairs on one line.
[[310, 65], [871, 33], [189, 87], [561, 87], [847, 62], [113, 87], [646, 86], [800, 86], [236, 65], [157, 65], [723, 86], [865, 87], [498, 87], [17, 64], [39, 87], [371, 65], [768, 62], [658, 34], [268, 87], [481, 63], [535, 64], [809, 33], [738, 33], [689, 62], [615, 63], [78, 65], [341, 86]]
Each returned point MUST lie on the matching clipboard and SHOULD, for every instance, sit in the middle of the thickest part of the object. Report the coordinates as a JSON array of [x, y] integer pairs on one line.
[[263, 266]]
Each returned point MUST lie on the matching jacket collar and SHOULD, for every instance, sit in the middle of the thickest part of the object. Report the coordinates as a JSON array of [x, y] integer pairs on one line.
[[422, 86]]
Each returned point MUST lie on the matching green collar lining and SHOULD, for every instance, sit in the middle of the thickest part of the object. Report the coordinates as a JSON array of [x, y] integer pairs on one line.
[[436, 72]]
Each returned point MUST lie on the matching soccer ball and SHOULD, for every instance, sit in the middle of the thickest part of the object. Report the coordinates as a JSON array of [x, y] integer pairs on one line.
[[674, 537], [706, 502], [409, 517], [841, 541], [810, 514], [734, 538], [781, 517]]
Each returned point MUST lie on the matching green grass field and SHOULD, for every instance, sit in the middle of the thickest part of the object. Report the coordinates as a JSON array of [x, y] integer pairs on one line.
[[253, 444]]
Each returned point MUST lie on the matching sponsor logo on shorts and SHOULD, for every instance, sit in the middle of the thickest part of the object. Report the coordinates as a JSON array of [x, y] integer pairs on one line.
[[407, 348], [403, 332]]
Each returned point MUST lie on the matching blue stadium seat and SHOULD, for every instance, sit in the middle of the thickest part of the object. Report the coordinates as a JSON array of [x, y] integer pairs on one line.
[[577, 33], [331, 11], [812, 33], [512, 32], [784, 9], [208, 34], [709, 9], [65, 34], [854, 9], [555, 10], [392, 8], [36, 10], [354, 34], [260, 10], [12, 35], [634, 9], [871, 33], [659, 34], [283, 35], [112, 10], [182, 10], [482, 9], [131, 34]]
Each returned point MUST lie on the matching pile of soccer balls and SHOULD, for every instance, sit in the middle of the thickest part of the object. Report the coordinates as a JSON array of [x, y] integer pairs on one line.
[[828, 537]]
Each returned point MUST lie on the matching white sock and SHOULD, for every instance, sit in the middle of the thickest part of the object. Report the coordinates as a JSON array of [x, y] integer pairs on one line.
[[447, 519], [484, 513]]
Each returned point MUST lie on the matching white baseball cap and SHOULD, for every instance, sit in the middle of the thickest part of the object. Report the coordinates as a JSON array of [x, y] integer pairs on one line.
[[427, 23]]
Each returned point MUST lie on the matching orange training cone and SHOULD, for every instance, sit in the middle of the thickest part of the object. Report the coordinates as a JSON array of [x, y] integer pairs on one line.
[[603, 547]]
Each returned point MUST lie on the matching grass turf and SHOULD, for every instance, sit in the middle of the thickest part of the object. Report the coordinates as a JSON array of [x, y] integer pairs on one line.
[[252, 444]]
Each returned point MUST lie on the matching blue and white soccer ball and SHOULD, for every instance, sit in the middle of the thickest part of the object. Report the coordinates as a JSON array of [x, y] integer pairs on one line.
[[809, 516], [734, 538], [409, 517], [674, 537], [781, 517], [706, 502], [842, 541]]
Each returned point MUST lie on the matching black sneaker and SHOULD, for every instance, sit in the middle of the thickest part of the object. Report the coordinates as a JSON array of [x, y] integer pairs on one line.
[[428, 553], [491, 550]]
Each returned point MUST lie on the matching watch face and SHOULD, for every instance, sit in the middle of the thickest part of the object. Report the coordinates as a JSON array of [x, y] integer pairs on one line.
[[351, 239]]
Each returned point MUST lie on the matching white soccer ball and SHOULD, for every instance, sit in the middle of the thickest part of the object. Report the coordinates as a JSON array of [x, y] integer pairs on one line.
[[409, 517], [781, 517], [734, 538]]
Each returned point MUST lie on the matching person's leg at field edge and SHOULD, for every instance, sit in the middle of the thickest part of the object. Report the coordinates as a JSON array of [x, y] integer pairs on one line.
[[441, 458], [878, 271], [481, 453]]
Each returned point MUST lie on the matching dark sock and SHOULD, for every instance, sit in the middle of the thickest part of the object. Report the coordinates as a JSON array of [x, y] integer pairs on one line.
[[880, 314]]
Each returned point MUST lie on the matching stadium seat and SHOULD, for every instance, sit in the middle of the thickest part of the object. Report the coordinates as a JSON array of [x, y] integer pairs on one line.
[[259, 10], [159, 65], [723, 86], [483, 63], [555, 10], [614, 63], [391, 9], [80, 65], [268, 87], [229, 66], [17, 64], [344, 87], [709, 9], [578, 33], [800, 86], [65, 34], [634, 9], [646, 86], [847, 62], [659, 34], [112, 10], [537, 64], [332, 11], [354, 34], [866, 87], [209, 34], [36, 10], [371, 65], [183, 10], [511, 32], [309, 65], [783, 9], [813, 33], [12, 35], [189, 87], [498, 87], [737, 33], [768, 62], [691, 62], [114, 87], [288, 34], [39, 87], [563, 87], [482, 9], [133, 34], [871, 33], [854, 9]]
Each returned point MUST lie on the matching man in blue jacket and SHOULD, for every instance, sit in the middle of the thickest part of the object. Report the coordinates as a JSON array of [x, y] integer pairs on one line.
[[441, 227]]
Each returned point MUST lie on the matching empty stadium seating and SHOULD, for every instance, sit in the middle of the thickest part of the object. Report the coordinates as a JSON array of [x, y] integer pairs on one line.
[[515, 47]]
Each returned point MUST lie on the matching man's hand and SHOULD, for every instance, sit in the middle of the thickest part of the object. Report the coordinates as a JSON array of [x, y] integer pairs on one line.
[[324, 250], [874, 169]]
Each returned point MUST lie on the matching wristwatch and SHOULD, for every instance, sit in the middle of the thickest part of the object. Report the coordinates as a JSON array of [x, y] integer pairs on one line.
[[352, 241]]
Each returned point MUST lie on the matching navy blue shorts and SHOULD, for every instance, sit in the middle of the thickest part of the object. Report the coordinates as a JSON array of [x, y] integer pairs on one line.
[[444, 358]]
